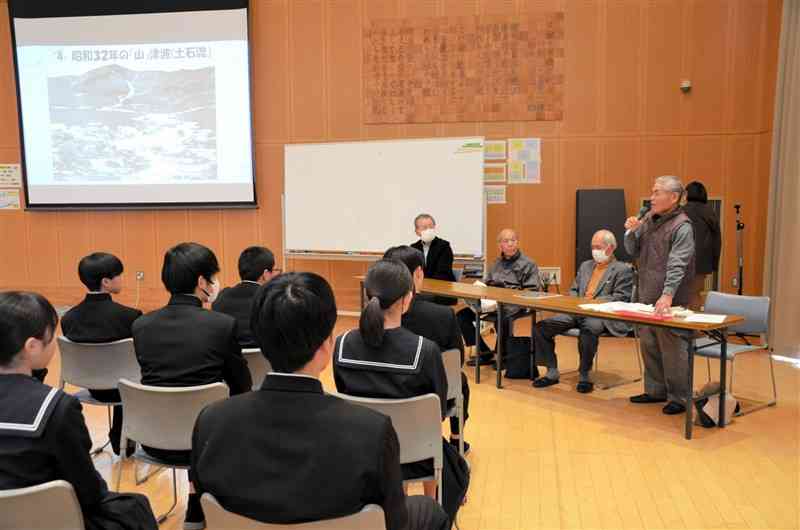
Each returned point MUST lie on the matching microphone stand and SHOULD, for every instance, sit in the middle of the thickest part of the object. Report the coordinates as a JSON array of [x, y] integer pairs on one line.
[[739, 248]]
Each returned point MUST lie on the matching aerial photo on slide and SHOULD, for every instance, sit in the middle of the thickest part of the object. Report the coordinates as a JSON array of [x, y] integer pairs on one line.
[[114, 124]]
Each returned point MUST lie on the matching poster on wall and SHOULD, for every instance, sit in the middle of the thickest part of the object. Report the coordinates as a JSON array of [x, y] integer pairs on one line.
[[524, 160], [494, 172], [494, 150], [9, 200], [10, 176], [495, 194]]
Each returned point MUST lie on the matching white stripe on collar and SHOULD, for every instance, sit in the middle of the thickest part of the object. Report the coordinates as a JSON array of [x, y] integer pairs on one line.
[[32, 427], [293, 375], [249, 281], [412, 366]]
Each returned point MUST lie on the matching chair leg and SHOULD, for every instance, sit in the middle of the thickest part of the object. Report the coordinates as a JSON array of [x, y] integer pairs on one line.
[[438, 474], [708, 369], [763, 404], [100, 449], [161, 518], [733, 370], [638, 350], [460, 412], [142, 480], [123, 457]]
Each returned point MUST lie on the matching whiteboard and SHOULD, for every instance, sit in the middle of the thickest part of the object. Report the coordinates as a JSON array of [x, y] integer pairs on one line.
[[363, 196]]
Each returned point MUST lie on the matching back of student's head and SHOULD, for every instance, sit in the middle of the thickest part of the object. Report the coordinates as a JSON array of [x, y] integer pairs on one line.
[[184, 264], [94, 267], [409, 256], [292, 315], [253, 261], [24, 315], [387, 282]]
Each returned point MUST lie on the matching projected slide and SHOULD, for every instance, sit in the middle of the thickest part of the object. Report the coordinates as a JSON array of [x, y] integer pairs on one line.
[[139, 118], [113, 123]]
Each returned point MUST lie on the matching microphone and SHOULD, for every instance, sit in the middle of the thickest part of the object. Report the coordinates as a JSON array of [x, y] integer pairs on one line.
[[643, 211]]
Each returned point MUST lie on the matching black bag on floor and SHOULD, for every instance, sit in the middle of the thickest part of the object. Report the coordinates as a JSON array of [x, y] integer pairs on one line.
[[455, 479], [121, 511], [517, 357]]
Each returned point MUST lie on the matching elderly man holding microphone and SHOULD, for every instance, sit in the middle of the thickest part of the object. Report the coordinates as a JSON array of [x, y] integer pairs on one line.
[[663, 242]]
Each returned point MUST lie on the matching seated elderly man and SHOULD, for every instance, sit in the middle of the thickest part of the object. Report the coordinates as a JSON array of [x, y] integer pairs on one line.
[[512, 269], [601, 278]]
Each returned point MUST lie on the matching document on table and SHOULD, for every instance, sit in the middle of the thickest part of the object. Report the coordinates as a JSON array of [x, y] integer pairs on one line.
[[706, 318]]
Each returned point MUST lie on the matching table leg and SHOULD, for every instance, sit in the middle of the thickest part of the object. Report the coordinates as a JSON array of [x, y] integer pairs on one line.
[[723, 379], [477, 347], [498, 358], [361, 293], [533, 345], [690, 390]]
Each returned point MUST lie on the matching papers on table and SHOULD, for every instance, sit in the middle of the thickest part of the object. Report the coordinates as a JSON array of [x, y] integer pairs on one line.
[[705, 318], [487, 306]]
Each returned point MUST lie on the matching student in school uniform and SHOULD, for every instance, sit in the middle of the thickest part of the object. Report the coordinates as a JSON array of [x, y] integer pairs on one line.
[[381, 359], [43, 435], [256, 267], [183, 344], [98, 318], [290, 453], [433, 322], [437, 255]]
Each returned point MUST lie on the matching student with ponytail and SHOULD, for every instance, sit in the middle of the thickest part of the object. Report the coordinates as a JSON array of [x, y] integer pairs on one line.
[[381, 359]]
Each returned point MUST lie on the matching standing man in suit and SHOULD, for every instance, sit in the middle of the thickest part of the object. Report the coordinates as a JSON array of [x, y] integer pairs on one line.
[[98, 319], [437, 254], [290, 453], [601, 278], [256, 267], [433, 322]]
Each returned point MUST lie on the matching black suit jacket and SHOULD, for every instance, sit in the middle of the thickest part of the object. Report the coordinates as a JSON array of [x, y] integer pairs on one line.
[[288, 453], [183, 344], [99, 319], [438, 266], [237, 301], [439, 263], [436, 323]]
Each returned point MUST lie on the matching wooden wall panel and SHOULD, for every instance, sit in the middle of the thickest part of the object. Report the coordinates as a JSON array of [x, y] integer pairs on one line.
[[307, 73], [708, 64], [622, 107], [344, 51], [581, 69], [9, 133], [748, 66], [269, 51], [621, 167], [626, 123], [241, 231], [663, 48], [705, 162]]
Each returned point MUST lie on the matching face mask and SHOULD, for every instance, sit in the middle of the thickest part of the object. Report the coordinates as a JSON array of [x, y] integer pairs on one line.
[[428, 235], [212, 296], [599, 255]]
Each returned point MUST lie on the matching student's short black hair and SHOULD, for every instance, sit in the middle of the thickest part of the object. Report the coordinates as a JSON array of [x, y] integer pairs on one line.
[[409, 256], [292, 315], [253, 261], [94, 267], [696, 192], [24, 315], [184, 264]]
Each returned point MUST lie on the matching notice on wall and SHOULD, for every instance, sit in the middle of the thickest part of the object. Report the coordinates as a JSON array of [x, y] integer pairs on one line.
[[9, 200], [494, 172], [495, 194], [10, 176], [524, 161], [494, 150]]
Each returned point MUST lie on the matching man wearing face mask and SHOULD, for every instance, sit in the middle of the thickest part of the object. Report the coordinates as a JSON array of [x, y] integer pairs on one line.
[[601, 278], [438, 254]]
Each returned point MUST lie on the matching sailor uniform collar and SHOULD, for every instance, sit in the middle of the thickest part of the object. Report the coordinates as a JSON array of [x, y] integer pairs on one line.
[[347, 358], [25, 405]]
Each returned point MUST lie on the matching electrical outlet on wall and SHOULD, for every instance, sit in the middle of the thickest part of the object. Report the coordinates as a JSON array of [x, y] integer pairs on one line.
[[553, 273], [139, 276]]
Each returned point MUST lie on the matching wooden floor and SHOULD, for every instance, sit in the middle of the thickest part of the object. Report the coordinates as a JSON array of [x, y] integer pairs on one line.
[[553, 458]]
